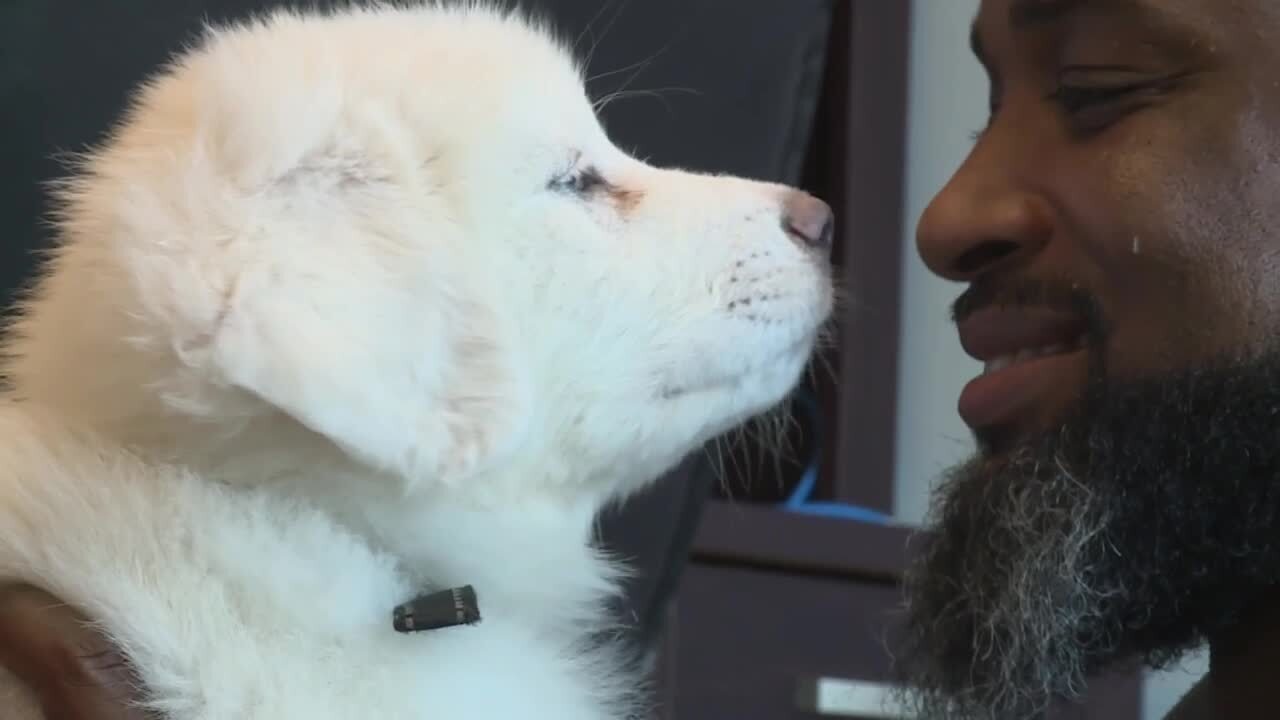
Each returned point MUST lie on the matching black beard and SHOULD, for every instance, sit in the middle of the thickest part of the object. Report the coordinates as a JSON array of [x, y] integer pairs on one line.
[[1148, 524]]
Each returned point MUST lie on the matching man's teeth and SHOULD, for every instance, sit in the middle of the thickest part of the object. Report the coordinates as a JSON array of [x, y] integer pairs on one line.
[[1005, 361]]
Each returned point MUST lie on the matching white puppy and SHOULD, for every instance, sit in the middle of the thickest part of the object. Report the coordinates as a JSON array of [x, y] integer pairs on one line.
[[355, 306]]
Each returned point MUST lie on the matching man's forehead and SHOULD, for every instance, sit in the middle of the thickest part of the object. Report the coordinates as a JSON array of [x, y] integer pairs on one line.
[[1180, 17], [1023, 14]]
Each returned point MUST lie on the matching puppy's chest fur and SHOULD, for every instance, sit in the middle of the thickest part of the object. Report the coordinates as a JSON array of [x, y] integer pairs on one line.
[[241, 604]]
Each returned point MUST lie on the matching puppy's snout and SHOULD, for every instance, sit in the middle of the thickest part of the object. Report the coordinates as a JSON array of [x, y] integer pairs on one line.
[[808, 220]]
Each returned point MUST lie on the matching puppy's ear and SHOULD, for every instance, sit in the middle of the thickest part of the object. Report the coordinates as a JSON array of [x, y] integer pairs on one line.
[[350, 307], [290, 242]]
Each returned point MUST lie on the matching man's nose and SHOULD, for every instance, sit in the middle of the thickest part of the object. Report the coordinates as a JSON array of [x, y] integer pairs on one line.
[[980, 219]]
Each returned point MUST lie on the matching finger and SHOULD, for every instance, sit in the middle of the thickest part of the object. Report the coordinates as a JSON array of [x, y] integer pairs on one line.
[[73, 668]]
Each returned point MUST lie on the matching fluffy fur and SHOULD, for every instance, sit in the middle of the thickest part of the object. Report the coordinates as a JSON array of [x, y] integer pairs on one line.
[[340, 314]]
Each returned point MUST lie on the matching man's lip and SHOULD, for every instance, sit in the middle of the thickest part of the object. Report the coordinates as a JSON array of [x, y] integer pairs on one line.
[[1034, 356], [1025, 392], [998, 332]]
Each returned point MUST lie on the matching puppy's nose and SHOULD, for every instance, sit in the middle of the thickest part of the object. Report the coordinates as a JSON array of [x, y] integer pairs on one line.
[[808, 220]]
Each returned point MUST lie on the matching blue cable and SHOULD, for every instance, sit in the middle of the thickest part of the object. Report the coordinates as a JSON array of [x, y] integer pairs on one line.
[[799, 501]]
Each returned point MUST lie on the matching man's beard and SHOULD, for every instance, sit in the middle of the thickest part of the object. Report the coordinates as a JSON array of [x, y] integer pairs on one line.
[[1147, 524]]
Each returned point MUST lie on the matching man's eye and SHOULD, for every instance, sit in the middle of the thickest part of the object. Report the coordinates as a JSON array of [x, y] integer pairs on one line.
[[1092, 109], [1093, 106], [580, 181], [1075, 99]]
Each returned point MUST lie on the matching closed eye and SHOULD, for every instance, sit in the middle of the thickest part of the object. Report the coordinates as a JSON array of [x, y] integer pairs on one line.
[[581, 181], [1092, 99]]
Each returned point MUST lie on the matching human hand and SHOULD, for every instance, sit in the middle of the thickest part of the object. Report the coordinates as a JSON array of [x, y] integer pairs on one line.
[[71, 667]]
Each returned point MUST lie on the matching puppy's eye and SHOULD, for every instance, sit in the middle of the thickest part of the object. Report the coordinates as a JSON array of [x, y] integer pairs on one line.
[[579, 181]]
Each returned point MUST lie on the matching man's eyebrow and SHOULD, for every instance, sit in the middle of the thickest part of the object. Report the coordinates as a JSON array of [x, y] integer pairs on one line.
[[1026, 14], [1033, 14]]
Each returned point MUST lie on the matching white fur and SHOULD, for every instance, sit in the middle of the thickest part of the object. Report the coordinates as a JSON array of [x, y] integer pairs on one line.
[[320, 335]]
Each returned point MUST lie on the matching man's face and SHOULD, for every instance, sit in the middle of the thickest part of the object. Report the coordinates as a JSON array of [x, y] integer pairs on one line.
[[1114, 227]]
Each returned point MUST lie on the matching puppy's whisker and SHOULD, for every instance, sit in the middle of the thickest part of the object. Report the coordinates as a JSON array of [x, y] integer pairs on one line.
[[743, 468], [777, 445], [590, 26], [821, 366], [638, 65], [603, 34], [715, 452], [622, 91], [655, 93]]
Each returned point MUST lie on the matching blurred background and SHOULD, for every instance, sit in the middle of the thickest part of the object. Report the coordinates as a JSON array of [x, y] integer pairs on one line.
[[767, 579]]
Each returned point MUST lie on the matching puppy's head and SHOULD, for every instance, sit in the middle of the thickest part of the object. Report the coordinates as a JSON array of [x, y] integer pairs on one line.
[[403, 233]]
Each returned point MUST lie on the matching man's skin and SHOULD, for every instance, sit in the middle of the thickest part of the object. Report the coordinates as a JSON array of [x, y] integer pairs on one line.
[[74, 671], [1243, 669], [1162, 202], [1132, 153]]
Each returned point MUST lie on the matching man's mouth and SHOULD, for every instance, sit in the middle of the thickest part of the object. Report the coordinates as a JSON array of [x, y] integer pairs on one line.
[[1001, 362], [1034, 361]]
